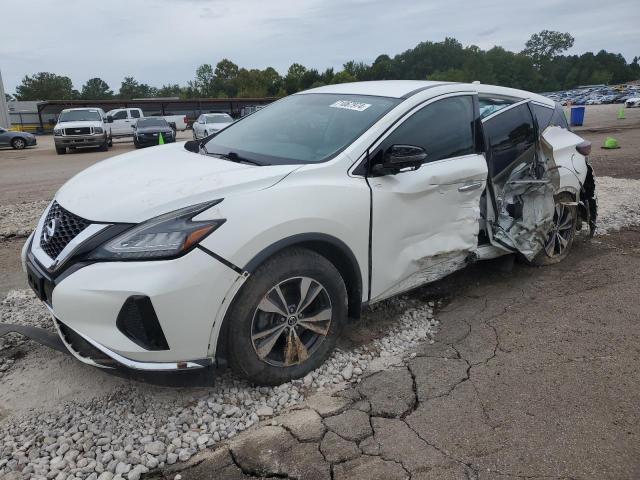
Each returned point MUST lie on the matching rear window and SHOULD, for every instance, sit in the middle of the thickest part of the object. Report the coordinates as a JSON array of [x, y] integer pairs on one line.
[[543, 115], [152, 122], [559, 119], [490, 104]]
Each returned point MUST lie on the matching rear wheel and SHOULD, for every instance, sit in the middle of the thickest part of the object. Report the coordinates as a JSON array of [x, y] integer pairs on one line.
[[61, 150], [287, 318], [561, 236], [18, 143]]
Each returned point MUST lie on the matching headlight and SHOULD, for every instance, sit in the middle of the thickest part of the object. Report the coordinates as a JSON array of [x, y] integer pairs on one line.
[[98, 130], [166, 236], [57, 132]]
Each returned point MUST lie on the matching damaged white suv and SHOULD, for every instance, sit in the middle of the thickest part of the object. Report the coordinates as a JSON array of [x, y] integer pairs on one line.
[[255, 245]]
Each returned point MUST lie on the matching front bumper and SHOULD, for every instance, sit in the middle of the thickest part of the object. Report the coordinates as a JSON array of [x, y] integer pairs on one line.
[[151, 141], [186, 294], [80, 140]]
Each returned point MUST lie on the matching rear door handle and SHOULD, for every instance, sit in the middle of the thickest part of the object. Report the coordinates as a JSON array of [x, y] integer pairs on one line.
[[470, 186]]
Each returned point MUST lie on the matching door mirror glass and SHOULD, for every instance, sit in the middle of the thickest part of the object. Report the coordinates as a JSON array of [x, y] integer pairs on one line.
[[399, 157]]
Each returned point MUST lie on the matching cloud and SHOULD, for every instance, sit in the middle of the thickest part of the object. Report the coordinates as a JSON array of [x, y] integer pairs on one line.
[[161, 42]]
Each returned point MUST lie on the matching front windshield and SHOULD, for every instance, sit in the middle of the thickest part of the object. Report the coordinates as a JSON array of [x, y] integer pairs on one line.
[[219, 119], [80, 116], [306, 128], [152, 122]]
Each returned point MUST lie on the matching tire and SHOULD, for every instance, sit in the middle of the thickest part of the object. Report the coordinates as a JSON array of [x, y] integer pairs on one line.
[[105, 146], [110, 142], [562, 235], [18, 143], [293, 349], [194, 134], [61, 150]]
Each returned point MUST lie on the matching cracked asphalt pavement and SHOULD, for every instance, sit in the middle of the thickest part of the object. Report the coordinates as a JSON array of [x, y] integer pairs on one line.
[[534, 375]]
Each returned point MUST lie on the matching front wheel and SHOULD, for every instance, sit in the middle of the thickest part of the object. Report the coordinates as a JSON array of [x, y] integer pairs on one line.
[[561, 236], [61, 150], [287, 318], [18, 143]]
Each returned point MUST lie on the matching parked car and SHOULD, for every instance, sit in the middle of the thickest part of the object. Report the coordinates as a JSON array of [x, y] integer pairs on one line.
[[256, 245], [81, 128], [122, 121], [209, 123], [16, 140], [632, 102], [148, 130]]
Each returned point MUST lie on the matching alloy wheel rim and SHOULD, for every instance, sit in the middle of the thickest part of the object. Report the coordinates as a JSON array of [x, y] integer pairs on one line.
[[291, 322], [560, 234], [19, 143]]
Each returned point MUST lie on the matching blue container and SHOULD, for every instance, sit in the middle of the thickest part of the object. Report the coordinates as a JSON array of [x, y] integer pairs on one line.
[[577, 116]]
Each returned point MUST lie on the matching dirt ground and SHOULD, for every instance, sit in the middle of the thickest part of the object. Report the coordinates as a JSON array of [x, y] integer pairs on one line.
[[535, 374], [35, 173], [601, 121]]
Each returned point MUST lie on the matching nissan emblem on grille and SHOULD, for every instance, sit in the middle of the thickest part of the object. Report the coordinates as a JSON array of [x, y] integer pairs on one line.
[[49, 230], [60, 227]]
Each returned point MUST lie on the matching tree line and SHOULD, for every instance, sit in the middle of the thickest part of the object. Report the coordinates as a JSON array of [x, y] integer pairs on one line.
[[540, 67]]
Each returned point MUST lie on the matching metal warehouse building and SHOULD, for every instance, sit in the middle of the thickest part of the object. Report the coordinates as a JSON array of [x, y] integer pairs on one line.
[[46, 112]]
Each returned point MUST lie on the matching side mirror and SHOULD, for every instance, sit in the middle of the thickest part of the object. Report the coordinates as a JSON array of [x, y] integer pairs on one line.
[[173, 126], [192, 146], [134, 126], [109, 119], [399, 157]]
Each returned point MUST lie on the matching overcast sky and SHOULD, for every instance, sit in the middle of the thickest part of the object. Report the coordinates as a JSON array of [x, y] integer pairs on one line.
[[163, 41]]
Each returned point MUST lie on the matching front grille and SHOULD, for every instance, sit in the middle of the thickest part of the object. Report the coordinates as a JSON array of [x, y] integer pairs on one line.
[[60, 227], [78, 131]]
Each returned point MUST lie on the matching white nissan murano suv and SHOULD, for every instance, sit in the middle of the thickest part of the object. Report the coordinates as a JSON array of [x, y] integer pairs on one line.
[[255, 245]]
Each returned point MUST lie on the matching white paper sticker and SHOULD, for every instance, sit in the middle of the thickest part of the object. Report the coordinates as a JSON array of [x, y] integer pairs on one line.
[[349, 105]]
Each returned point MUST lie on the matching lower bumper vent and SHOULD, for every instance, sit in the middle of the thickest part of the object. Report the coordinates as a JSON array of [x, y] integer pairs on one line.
[[138, 321]]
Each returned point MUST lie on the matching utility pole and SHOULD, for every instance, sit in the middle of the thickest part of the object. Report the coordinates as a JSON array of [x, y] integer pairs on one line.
[[4, 109]]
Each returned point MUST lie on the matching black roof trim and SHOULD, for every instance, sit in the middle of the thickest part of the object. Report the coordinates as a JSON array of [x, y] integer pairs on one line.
[[421, 89]]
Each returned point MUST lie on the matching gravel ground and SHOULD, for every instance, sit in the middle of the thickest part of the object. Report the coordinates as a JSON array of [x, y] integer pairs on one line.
[[618, 203], [20, 220], [128, 432], [20, 307], [123, 434]]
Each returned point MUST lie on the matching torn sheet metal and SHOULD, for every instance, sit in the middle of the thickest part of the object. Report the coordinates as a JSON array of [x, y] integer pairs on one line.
[[40, 335], [526, 208]]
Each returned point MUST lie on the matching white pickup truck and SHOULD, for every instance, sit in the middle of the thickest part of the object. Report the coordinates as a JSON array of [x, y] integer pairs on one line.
[[122, 121]]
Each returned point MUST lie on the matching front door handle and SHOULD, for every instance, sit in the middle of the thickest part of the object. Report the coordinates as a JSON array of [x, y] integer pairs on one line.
[[470, 186]]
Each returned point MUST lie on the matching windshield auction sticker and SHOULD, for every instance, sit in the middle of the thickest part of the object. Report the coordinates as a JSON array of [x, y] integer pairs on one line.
[[349, 105]]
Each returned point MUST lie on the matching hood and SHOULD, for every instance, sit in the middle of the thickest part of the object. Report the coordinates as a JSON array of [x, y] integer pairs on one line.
[[139, 185], [86, 123], [216, 126], [154, 129]]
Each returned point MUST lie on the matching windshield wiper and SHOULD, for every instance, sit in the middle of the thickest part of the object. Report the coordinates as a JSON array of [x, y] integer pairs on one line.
[[234, 157]]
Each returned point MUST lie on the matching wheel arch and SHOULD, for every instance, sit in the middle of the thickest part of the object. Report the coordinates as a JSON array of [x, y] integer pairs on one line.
[[332, 248]]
